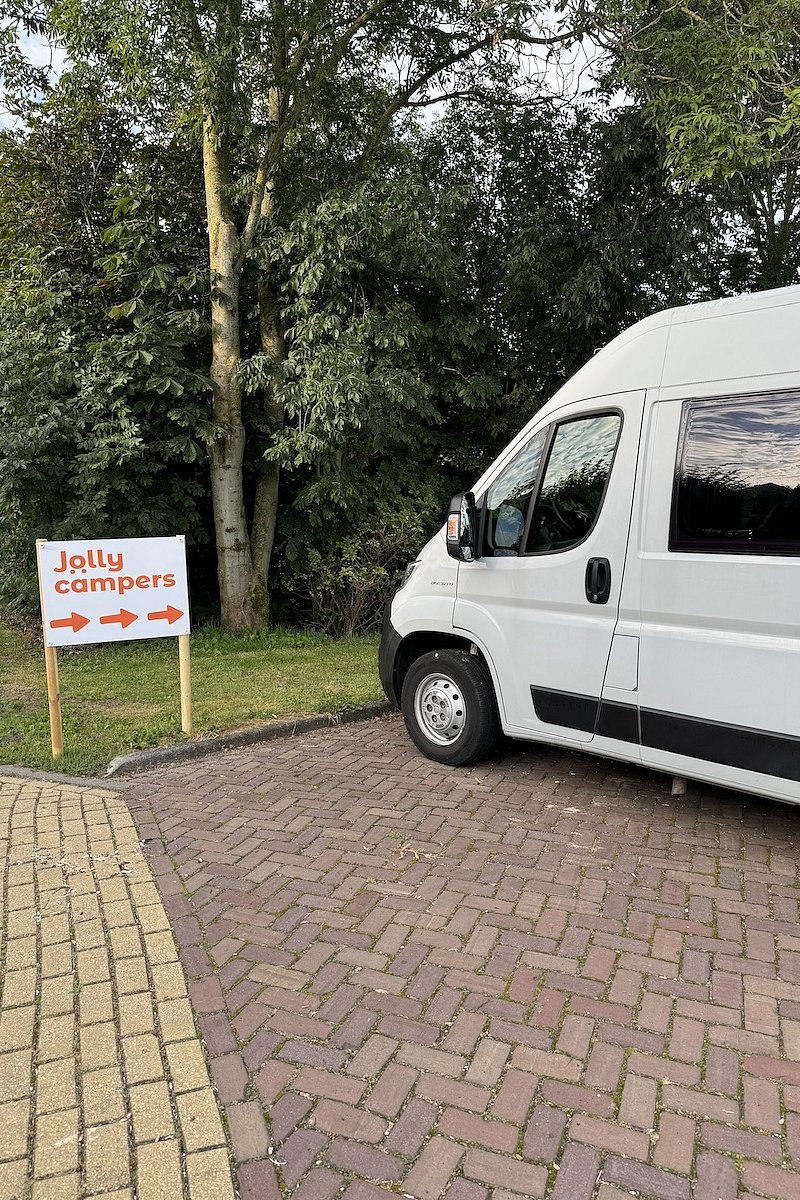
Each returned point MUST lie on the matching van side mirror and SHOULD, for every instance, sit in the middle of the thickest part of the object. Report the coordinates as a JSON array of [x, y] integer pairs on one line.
[[462, 527]]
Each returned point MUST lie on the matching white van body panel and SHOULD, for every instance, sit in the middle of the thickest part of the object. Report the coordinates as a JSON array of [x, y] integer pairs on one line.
[[426, 600], [726, 340], [622, 674], [719, 633], [744, 627], [693, 651]]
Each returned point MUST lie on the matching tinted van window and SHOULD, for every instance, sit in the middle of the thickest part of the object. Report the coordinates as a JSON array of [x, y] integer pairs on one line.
[[737, 486], [574, 482]]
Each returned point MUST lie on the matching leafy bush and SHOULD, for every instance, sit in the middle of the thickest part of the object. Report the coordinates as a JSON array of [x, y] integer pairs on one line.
[[342, 585]]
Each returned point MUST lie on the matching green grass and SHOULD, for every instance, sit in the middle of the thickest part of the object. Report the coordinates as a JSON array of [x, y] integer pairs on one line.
[[120, 698]]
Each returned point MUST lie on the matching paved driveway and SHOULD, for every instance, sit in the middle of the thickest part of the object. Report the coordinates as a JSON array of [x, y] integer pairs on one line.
[[540, 977], [103, 1087]]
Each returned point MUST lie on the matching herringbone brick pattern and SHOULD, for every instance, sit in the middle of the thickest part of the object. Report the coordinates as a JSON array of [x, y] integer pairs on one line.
[[540, 977]]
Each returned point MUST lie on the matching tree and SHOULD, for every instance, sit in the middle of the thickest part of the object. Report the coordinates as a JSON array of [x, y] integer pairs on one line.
[[264, 91], [102, 403], [721, 80], [576, 232], [759, 209], [720, 87], [389, 380]]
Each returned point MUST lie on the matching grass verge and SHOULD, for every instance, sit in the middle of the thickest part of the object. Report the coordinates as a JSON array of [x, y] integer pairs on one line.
[[125, 697]]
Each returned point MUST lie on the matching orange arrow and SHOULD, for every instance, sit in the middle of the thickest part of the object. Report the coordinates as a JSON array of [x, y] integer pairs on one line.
[[74, 622], [169, 614], [123, 618]]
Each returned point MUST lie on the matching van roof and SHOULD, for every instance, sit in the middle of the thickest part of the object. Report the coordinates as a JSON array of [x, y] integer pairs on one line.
[[745, 343], [746, 302], [733, 339]]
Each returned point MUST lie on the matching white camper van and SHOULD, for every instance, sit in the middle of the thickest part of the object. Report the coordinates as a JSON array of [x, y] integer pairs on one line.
[[625, 577]]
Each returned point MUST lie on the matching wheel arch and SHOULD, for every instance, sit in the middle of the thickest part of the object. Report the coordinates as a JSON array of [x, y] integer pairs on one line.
[[414, 645]]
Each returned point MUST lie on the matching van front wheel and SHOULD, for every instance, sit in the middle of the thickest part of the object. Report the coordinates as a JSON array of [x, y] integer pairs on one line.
[[449, 707]]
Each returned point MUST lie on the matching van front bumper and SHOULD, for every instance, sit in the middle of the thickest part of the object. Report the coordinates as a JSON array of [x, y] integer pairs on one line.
[[387, 656]]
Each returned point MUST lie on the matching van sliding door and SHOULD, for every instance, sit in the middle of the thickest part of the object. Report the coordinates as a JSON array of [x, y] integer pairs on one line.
[[719, 590]]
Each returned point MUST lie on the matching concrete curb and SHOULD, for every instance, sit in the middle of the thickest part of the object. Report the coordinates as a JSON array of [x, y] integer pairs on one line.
[[143, 760], [83, 781]]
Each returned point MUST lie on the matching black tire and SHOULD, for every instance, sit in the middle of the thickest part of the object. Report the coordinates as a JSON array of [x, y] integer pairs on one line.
[[453, 688]]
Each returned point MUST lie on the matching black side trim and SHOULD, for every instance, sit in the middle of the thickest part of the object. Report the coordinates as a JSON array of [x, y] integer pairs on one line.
[[620, 721], [565, 708], [756, 750], [732, 745]]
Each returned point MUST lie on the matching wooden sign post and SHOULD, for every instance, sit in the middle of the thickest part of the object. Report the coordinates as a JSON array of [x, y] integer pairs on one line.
[[185, 668], [54, 701], [112, 590]]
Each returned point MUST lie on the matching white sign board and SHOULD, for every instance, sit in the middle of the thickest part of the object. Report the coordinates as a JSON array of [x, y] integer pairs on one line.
[[113, 590]]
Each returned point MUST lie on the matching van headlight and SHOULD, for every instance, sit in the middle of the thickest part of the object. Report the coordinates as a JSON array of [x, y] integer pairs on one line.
[[409, 571]]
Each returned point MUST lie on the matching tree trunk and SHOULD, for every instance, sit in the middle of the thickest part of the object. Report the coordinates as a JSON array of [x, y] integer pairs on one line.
[[226, 454], [265, 508], [265, 504]]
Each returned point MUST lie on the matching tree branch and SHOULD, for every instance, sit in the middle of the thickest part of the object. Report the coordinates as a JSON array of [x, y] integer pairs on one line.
[[256, 201], [403, 98], [460, 94], [195, 32], [342, 44]]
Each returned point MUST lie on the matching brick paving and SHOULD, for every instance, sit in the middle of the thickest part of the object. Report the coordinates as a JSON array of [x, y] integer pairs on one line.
[[540, 977], [104, 1089]]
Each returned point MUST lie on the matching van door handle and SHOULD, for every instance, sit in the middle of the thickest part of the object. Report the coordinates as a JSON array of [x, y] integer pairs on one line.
[[598, 580]]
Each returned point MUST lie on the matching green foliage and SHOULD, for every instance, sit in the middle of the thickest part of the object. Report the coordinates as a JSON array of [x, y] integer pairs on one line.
[[338, 575], [575, 233], [428, 309], [432, 283], [387, 361], [102, 402], [154, 271], [383, 340], [721, 80], [297, 110]]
